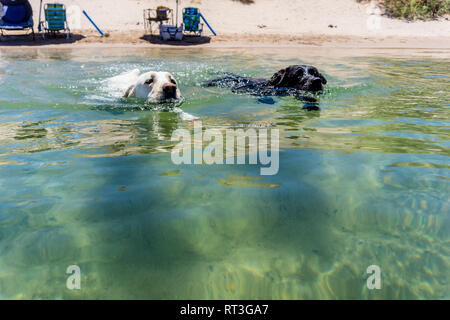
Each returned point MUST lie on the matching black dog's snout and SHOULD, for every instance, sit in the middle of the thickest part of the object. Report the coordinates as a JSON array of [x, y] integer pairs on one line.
[[170, 90], [316, 85]]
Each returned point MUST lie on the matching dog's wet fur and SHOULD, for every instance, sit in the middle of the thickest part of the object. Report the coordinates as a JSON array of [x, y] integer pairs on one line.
[[295, 80]]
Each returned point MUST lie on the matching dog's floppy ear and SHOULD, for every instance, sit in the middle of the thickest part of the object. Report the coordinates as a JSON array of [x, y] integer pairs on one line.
[[278, 78], [131, 91]]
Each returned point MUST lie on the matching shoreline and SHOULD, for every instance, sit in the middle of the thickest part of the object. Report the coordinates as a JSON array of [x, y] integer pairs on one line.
[[89, 39]]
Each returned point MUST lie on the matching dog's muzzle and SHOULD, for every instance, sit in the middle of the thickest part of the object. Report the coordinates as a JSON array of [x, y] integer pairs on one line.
[[315, 85], [169, 91]]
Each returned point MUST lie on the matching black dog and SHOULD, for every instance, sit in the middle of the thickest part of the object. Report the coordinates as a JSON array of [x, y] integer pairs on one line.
[[295, 81]]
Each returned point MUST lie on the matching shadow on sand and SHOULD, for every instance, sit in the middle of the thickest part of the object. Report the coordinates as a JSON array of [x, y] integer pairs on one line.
[[27, 40], [187, 41]]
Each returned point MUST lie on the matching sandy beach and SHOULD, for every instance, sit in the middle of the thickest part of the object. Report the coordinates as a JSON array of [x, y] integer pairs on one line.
[[265, 23]]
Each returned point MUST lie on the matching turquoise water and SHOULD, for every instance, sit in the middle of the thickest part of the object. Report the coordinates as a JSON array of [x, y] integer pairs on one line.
[[87, 179]]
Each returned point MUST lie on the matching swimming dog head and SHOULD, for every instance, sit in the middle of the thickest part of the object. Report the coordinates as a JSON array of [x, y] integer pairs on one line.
[[156, 87], [301, 77]]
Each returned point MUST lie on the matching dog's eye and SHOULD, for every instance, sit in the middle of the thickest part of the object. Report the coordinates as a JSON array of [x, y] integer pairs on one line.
[[173, 81], [312, 72], [299, 73], [149, 81]]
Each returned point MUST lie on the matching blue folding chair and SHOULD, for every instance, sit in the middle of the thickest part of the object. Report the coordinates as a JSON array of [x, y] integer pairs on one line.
[[191, 21], [16, 15], [55, 19]]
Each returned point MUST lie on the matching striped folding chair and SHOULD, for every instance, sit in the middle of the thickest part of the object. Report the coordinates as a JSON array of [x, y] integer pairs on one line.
[[55, 19], [191, 21]]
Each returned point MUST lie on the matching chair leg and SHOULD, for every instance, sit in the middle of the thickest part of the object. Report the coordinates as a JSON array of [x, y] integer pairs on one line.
[[67, 30]]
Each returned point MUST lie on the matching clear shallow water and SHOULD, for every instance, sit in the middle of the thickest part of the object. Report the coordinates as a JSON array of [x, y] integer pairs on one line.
[[86, 179]]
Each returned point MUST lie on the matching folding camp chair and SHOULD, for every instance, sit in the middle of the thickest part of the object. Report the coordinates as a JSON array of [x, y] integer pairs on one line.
[[15, 16], [55, 19], [191, 21], [157, 17]]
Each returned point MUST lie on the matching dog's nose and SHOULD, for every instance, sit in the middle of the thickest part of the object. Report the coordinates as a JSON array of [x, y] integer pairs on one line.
[[316, 85], [170, 90]]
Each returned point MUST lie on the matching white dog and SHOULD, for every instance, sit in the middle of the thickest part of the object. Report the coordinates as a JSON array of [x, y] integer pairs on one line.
[[156, 87]]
